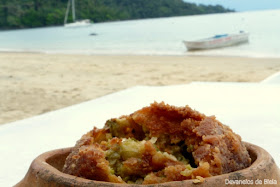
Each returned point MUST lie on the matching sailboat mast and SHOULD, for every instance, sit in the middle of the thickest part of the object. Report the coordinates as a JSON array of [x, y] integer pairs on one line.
[[73, 11], [67, 12]]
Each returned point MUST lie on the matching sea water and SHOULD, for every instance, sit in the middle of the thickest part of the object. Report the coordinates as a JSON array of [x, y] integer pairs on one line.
[[161, 36]]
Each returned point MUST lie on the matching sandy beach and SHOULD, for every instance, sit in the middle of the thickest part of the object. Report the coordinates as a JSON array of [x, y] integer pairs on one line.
[[34, 83]]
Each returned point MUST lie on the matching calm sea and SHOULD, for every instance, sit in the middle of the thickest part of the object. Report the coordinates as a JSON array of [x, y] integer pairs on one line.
[[161, 36]]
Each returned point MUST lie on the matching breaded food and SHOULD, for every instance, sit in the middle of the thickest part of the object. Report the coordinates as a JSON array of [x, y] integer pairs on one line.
[[158, 143]]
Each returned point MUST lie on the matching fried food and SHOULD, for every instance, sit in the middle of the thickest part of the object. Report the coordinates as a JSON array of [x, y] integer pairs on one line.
[[158, 143]]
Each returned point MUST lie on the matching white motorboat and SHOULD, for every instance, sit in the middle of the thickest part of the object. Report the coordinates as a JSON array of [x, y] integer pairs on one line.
[[218, 41]]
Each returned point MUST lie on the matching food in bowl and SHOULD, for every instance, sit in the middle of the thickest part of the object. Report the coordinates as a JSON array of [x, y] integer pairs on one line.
[[156, 144]]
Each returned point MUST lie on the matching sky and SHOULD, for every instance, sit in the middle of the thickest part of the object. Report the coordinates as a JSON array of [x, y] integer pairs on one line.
[[241, 5]]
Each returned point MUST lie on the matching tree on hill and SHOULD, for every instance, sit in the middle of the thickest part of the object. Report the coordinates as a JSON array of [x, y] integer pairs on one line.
[[39, 13]]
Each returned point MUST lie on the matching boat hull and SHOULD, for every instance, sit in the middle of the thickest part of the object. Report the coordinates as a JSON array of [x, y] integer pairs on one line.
[[211, 43], [81, 23]]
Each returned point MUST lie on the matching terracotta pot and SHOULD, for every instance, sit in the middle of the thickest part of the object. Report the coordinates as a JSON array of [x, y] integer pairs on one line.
[[45, 171]]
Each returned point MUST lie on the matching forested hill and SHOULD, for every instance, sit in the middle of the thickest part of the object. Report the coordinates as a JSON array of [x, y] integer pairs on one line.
[[38, 13]]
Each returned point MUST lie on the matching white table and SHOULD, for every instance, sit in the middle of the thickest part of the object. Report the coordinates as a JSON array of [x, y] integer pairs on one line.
[[250, 109]]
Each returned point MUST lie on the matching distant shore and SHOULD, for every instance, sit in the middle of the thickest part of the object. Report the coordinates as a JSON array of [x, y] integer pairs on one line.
[[35, 83]]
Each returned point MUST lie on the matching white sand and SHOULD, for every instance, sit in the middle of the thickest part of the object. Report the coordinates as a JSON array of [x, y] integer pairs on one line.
[[31, 84]]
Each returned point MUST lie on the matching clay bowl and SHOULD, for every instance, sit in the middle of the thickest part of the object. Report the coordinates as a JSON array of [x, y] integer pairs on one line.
[[45, 171]]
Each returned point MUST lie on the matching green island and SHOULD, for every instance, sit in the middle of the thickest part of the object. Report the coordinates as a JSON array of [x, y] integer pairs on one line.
[[16, 14]]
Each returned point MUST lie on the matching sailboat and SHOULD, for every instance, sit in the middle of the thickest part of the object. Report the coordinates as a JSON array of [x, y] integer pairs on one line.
[[75, 23]]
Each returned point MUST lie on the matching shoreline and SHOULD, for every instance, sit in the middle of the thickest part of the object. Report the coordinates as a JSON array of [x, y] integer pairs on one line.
[[124, 54], [35, 83]]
